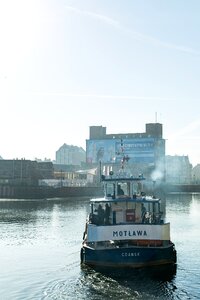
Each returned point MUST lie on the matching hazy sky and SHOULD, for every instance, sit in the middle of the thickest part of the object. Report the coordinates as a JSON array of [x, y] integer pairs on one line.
[[67, 65]]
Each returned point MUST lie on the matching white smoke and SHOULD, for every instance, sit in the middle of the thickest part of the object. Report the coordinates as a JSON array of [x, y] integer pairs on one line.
[[157, 175]]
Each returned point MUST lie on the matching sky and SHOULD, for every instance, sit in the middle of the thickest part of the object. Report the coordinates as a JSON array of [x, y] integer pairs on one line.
[[66, 65]]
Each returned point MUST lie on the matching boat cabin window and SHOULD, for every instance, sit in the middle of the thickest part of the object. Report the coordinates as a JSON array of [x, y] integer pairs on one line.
[[123, 189], [150, 213], [110, 190], [100, 214], [114, 212], [120, 190]]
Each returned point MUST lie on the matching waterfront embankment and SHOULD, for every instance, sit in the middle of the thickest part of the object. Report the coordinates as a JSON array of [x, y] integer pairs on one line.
[[42, 192], [38, 192]]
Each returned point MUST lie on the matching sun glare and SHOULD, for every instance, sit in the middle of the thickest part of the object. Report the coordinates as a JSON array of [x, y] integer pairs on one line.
[[18, 29]]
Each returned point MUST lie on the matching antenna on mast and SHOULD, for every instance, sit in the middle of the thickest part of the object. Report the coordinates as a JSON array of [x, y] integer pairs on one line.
[[156, 117]]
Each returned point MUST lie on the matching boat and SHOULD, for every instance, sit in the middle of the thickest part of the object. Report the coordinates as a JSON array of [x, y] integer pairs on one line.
[[126, 227]]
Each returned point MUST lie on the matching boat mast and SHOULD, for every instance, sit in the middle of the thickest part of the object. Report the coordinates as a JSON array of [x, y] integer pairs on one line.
[[124, 158]]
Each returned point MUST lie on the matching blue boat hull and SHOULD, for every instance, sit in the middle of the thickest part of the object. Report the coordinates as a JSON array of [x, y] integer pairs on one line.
[[130, 257]]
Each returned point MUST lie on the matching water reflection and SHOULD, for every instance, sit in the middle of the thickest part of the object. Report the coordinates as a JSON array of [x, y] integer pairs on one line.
[[179, 201], [40, 254], [38, 221], [25, 211]]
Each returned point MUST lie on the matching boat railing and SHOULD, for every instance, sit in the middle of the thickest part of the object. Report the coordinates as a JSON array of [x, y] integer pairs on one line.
[[149, 218]]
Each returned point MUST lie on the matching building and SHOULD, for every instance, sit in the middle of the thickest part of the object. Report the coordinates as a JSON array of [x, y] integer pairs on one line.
[[24, 172], [70, 155], [45, 169], [178, 169], [196, 174], [145, 151]]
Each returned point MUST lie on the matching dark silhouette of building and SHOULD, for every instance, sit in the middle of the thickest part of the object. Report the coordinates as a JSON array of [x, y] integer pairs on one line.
[[24, 172]]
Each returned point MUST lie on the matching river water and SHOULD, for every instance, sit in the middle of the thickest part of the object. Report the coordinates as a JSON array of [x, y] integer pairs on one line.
[[40, 243]]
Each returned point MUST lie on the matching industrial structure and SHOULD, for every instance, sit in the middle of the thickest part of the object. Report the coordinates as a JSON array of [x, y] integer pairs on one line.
[[145, 151], [24, 172]]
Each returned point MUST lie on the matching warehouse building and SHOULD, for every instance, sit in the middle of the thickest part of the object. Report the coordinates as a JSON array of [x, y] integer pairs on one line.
[[144, 151]]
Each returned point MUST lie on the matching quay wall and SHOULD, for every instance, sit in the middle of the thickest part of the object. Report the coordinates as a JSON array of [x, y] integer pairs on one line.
[[37, 192], [182, 188]]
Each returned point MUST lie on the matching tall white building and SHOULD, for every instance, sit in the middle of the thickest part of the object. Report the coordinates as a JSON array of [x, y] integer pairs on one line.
[[70, 155]]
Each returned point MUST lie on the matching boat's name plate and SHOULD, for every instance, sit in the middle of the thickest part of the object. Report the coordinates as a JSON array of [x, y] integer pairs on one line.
[[126, 232], [132, 254]]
